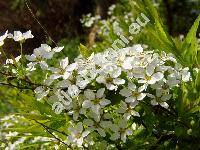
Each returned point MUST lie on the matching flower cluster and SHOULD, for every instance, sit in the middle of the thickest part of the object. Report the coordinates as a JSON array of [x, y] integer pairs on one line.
[[88, 20], [101, 93], [17, 36]]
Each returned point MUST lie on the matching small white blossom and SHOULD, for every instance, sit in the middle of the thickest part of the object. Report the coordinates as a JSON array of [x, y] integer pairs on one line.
[[3, 37], [21, 37], [121, 131], [132, 93], [77, 134], [95, 101]]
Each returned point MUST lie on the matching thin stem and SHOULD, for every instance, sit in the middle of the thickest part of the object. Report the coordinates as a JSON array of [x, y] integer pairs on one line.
[[48, 130], [21, 48], [2, 51]]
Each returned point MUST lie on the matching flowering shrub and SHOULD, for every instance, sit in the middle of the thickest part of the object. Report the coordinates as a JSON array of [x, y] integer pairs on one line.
[[133, 97]]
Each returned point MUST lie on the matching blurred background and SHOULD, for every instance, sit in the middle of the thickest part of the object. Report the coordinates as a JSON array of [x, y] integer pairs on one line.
[[61, 18]]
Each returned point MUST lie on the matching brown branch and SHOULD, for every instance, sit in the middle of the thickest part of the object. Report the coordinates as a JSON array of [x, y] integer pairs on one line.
[[48, 130]]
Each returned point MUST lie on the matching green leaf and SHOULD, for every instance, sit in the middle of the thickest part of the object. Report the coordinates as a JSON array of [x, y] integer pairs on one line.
[[159, 28], [84, 51], [190, 45]]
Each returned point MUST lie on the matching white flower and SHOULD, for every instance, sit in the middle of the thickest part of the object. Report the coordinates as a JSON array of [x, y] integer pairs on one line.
[[159, 100], [58, 107], [127, 110], [95, 101], [77, 134], [39, 56], [111, 83], [132, 93], [138, 48], [21, 37], [150, 77], [73, 90], [121, 131], [185, 74], [62, 101], [100, 127], [64, 70], [41, 92], [3, 37], [76, 108]]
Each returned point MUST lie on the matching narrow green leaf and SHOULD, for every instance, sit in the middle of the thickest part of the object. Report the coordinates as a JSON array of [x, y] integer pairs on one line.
[[190, 45]]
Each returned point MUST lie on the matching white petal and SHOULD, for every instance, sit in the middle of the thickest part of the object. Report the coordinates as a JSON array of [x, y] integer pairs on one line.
[[118, 81], [101, 79], [27, 35], [73, 90], [111, 87], [164, 104], [152, 81], [85, 133], [43, 65], [133, 126], [123, 137], [105, 124], [151, 67], [66, 75], [154, 102], [131, 86], [18, 36], [89, 94], [79, 142], [58, 107], [87, 104], [138, 72], [105, 102], [101, 132], [125, 92], [58, 49], [133, 104], [31, 57], [96, 108], [141, 96], [138, 48], [166, 97], [116, 73], [71, 138], [79, 127], [127, 116], [127, 63], [142, 81], [158, 76], [142, 88], [54, 76], [64, 63], [75, 116], [100, 93], [88, 122], [71, 67], [130, 99]]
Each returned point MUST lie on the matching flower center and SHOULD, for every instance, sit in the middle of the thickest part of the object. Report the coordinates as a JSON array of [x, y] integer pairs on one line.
[[78, 136], [135, 94], [96, 101], [109, 80], [148, 78]]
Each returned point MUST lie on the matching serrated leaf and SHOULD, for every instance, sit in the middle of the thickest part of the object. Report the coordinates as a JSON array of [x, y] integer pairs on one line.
[[190, 45], [158, 26]]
